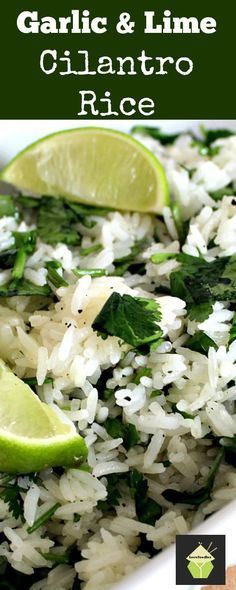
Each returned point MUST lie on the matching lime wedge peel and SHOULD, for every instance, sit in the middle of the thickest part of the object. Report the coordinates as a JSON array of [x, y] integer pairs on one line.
[[94, 166], [32, 435]]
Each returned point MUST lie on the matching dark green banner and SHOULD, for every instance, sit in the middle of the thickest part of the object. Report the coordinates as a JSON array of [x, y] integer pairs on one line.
[[130, 59]]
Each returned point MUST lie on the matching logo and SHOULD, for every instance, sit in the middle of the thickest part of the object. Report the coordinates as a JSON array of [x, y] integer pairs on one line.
[[200, 558]]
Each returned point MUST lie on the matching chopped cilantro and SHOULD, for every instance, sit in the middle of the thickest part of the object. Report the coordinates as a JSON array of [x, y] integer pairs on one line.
[[133, 319], [200, 342], [203, 494], [43, 518], [211, 135], [199, 312], [160, 257], [223, 192], [7, 206], [32, 381], [129, 262], [11, 496], [113, 494], [156, 393], [229, 445], [90, 250], [180, 225], [116, 429], [23, 287], [93, 272], [53, 275], [156, 133], [57, 222], [147, 509], [142, 372], [201, 283], [232, 333]]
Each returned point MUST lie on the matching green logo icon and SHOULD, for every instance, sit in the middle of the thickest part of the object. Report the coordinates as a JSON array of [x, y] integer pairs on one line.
[[201, 561]]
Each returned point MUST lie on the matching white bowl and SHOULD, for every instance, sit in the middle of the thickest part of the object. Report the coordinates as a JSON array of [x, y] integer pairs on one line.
[[159, 572]]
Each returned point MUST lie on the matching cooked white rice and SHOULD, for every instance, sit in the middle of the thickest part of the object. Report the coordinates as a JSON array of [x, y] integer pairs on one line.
[[59, 342]]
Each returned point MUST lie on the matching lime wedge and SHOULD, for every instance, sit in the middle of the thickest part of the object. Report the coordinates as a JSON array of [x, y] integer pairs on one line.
[[32, 435], [93, 166]]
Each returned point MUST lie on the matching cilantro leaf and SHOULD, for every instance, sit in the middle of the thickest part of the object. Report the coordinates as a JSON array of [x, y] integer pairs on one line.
[[113, 494], [53, 275], [199, 282], [117, 429], [223, 192], [211, 135], [7, 207], [180, 225], [57, 222], [232, 333], [200, 312], [11, 496], [156, 133], [133, 319], [130, 262], [203, 494], [147, 509], [200, 342], [23, 287]]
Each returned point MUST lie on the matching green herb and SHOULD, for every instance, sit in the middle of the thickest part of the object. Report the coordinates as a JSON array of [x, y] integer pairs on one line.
[[180, 225], [127, 263], [160, 257], [91, 250], [93, 272], [53, 275], [113, 494], [19, 265], [229, 445], [185, 415], [203, 494], [32, 381], [57, 557], [200, 342], [201, 282], [232, 333], [156, 133], [147, 509], [43, 518], [116, 429], [22, 287], [7, 258], [27, 202], [206, 150], [101, 384], [156, 393], [108, 393], [11, 496], [200, 312], [133, 319], [88, 210], [57, 222], [211, 135], [25, 243], [142, 372], [223, 192], [7, 207]]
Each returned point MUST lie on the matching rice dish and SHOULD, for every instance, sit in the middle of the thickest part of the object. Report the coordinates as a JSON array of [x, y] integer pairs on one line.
[[159, 421]]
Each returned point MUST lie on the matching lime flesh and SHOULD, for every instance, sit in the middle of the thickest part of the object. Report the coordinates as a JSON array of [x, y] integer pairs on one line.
[[93, 166], [32, 435]]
